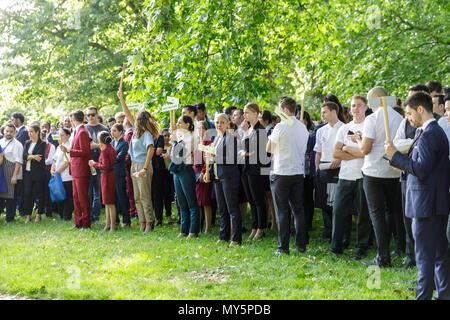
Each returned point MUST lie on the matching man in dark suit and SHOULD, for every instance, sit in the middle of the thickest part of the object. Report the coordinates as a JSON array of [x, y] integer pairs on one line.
[[21, 132], [80, 154], [427, 201], [21, 135]]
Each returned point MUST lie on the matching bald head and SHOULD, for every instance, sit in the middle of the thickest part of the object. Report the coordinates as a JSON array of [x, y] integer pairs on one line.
[[377, 92]]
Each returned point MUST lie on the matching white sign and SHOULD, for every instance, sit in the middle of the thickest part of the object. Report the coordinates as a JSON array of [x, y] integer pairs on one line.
[[168, 107], [173, 100], [284, 116], [376, 102], [207, 149]]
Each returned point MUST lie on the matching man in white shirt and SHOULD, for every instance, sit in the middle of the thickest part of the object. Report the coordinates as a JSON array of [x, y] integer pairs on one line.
[[13, 153], [380, 180], [350, 184], [287, 143], [327, 167]]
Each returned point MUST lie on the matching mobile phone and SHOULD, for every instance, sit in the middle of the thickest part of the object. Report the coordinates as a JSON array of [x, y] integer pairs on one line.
[[350, 132]]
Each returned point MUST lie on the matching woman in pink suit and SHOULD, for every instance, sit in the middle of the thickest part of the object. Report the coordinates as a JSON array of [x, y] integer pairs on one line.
[[108, 179]]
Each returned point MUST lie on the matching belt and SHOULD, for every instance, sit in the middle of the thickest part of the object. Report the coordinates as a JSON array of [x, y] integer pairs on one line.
[[106, 171]]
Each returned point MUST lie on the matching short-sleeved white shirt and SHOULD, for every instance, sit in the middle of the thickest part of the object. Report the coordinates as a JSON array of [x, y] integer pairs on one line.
[[374, 164], [288, 148], [325, 138], [60, 159], [13, 153], [350, 169]]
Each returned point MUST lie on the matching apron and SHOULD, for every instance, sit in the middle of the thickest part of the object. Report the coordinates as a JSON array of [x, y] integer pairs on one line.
[[8, 171]]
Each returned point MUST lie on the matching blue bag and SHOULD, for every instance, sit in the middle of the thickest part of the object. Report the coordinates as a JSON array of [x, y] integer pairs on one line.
[[56, 186]]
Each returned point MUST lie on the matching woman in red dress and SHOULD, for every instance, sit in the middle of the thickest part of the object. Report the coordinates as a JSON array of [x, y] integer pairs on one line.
[[108, 179], [203, 190]]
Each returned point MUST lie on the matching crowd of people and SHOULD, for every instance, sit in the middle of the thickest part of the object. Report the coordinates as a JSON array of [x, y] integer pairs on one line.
[[282, 167]]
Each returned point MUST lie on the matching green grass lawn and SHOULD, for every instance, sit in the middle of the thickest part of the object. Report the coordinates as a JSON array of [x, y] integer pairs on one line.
[[48, 260]]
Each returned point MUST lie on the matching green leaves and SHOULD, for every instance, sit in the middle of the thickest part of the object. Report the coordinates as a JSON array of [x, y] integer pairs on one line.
[[223, 53]]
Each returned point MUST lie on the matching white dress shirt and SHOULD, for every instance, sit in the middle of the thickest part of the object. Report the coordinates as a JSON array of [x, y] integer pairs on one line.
[[374, 164], [350, 169], [288, 148], [325, 138]]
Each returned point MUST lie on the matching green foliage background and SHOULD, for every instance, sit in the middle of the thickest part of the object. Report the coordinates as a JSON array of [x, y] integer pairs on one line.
[[66, 54]]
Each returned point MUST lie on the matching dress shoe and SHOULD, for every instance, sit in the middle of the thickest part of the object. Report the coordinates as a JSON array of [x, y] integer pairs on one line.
[[301, 249], [234, 244], [334, 251], [409, 263], [377, 262], [359, 254], [280, 252]]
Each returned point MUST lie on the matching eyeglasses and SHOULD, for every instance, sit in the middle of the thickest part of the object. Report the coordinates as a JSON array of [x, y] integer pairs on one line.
[[91, 114]]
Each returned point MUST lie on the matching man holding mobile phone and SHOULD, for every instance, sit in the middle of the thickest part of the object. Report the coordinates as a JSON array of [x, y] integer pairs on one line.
[[350, 185]]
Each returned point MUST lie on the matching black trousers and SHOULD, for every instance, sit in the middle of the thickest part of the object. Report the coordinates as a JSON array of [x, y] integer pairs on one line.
[[66, 207], [162, 193], [122, 202], [228, 205], [382, 192], [409, 238], [31, 191], [48, 204], [346, 192], [10, 205], [308, 200], [254, 190], [287, 194], [20, 202]]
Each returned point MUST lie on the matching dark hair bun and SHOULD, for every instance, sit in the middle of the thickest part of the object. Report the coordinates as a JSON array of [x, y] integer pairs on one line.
[[105, 137]]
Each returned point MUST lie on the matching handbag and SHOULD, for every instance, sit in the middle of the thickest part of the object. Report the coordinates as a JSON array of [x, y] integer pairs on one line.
[[57, 190]]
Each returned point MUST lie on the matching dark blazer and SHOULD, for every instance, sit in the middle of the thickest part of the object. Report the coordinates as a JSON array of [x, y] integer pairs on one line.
[[38, 169], [226, 157], [427, 169], [121, 147], [52, 141], [255, 145], [22, 135]]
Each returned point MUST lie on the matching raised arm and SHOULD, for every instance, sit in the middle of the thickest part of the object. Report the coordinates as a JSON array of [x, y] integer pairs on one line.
[[127, 112]]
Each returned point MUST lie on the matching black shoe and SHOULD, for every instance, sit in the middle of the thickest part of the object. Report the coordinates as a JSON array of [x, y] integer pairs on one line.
[[279, 252], [394, 253], [301, 249], [334, 251], [376, 262], [409, 263], [359, 254]]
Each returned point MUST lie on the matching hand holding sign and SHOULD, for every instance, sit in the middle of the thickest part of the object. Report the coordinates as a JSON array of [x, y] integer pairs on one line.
[[209, 150]]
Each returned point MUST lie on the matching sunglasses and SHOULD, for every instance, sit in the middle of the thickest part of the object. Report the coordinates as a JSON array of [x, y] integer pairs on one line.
[[91, 114]]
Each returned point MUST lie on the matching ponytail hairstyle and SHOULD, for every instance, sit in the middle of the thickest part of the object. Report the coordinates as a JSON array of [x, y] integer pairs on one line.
[[146, 122], [188, 120], [105, 137]]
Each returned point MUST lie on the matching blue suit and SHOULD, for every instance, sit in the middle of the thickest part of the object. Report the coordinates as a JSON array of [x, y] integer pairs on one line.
[[22, 135], [52, 141], [427, 203]]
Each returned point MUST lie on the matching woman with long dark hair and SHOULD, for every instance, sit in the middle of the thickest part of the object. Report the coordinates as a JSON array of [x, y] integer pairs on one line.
[[34, 173], [184, 177], [341, 113]]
